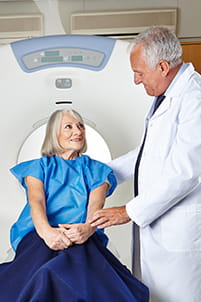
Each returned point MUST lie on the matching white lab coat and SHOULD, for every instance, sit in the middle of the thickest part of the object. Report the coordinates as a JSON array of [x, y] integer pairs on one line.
[[168, 207]]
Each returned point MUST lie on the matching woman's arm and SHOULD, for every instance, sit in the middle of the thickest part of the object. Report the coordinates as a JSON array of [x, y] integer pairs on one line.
[[96, 200], [80, 232], [55, 238]]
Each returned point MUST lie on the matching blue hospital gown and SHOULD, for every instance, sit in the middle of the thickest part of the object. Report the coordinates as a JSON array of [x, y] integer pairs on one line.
[[86, 272], [67, 184]]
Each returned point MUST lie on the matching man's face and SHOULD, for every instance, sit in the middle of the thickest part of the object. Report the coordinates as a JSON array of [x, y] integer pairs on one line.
[[151, 78]]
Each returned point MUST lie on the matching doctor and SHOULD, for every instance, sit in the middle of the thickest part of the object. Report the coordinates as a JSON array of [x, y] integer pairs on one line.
[[167, 174]]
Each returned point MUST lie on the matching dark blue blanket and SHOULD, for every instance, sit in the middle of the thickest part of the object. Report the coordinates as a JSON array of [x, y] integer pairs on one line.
[[82, 273]]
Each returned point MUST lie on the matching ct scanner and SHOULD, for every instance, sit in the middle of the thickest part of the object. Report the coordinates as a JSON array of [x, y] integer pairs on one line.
[[87, 73]]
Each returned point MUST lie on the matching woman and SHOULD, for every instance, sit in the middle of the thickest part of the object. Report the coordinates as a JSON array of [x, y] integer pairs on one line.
[[59, 255]]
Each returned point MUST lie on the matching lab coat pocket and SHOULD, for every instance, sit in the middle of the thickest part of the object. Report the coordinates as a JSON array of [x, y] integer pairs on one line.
[[181, 228]]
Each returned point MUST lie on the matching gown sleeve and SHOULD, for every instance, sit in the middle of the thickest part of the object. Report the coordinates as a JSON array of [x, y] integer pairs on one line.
[[28, 168], [97, 173]]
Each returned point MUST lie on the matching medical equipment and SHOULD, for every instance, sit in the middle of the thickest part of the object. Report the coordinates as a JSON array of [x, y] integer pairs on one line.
[[88, 73]]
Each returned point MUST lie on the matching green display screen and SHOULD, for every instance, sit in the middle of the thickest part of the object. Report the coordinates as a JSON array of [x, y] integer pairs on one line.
[[76, 58], [51, 59], [50, 53]]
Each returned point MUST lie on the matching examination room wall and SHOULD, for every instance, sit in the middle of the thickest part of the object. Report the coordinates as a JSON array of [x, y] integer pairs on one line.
[[188, 12], [189, 22], [56, 19]]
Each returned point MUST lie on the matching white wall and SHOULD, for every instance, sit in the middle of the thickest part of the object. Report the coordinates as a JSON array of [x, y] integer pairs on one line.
[[189, 21]]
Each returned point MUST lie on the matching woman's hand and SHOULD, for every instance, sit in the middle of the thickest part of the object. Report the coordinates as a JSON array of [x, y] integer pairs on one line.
[[78, 233], [56, 238]]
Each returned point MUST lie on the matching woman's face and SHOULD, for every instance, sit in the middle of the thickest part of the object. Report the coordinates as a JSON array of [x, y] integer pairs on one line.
[[71, 135]]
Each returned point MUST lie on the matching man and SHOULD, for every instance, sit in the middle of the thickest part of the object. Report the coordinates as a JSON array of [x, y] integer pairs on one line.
[[167, 203]]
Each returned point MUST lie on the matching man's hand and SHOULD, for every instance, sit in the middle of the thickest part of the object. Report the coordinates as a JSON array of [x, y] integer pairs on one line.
[[110, 216]]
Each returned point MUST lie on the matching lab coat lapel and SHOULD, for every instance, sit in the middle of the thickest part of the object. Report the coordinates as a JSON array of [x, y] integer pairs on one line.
[[176, 90], [164, 106]]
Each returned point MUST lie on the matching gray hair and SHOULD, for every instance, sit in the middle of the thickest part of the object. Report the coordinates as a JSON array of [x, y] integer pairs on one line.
[[51, 144], [159, 43]]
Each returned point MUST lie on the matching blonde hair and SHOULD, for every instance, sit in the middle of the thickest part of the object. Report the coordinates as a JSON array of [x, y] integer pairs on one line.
[[51, 144]]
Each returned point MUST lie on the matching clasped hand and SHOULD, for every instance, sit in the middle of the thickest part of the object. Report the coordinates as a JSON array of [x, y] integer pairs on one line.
[[66, 235], [78, 233]]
